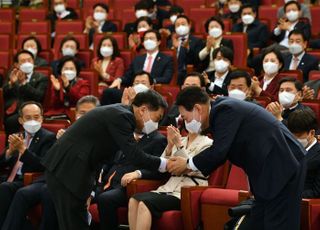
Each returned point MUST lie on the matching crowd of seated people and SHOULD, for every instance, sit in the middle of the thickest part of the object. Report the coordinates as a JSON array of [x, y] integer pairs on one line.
[[165, 53]]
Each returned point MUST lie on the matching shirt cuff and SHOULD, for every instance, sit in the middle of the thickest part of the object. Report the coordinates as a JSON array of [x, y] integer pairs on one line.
[[139, 173], [211, 86], [277, 31], [93, 194], [163, 165], [191, 165]]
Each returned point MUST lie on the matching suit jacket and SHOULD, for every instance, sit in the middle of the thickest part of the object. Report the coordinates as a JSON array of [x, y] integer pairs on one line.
[[53, 17], [307, 63], [258, 33], [115, 69], [108, 26], [218, 90], [312, 182], [251, 138], [38, 148], [161, 71], [40, 62], [272, 89], [170, 117], [302, 26], [94, 139], [32, 91]]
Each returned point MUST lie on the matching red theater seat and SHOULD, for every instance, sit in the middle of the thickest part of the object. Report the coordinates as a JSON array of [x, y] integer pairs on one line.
[[6, 59], [297, 74], [127, 56], [314, 75], [6, 41], [92, 77], [8, 27], [30, 14], [310, 214], [315, 15], [240, 48], [270, 13], [67, 27], [314, 105], [36, 27], [7, 14]]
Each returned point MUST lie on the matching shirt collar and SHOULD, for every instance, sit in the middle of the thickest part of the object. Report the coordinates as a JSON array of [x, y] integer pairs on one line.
[[312, 144], [153, 55], [29, 75], [299, 56], [222, 77]]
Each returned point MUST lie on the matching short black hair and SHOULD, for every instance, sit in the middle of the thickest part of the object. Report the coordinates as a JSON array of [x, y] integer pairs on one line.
[[65, 59], [298, 32], [69, 38], [176, 10], [141, 5], [225, 51], [298, 84], [216, 19], [24, 104], [236, 74], [102, 5], [190, 96], [248, 5], [144, 18], [116, 50], [302, 120], [156, 32], [183, 16], [276, 52], [198, 75], [36, 40], [291, 2], [144, 73], [16, 57], [152, 99], [88, 99]]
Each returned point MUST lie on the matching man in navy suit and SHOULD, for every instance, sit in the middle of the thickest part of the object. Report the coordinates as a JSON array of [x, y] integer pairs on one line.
[[251, 138], [299, 59]]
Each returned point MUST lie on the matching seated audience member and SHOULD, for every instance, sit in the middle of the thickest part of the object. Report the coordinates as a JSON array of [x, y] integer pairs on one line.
[[143, 207], [291, 22], [272, 62], [68, 88], [172, 117], [69, 46], [99, 23], [303, 124], [114, 95], [108, 64], [289, 97], [60, 12], [23, 154], [214, 27], [298, 58], [222, 63], [239, 85], [234, 8], [135, 39], [304, 11], [174, 12], [257, 32], [23, 84], [186, 45], [33, 45]]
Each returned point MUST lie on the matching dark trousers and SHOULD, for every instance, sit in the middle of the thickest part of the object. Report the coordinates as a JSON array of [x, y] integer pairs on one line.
[[7, 192], [71, 210], [49, 219], [111, 96], [24, 199], [108, 202]]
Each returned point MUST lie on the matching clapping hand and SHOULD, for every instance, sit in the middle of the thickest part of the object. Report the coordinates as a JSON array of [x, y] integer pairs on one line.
[[17, 143]]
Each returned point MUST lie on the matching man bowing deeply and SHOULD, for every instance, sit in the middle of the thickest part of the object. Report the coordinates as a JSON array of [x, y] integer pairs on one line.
[[72, 162], [254, 140]]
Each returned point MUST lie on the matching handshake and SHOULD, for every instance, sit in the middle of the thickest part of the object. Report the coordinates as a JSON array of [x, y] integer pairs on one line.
[[177, 166]]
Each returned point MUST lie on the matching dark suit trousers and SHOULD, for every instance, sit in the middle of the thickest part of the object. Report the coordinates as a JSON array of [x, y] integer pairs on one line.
[[49, 219], [7, 192], [71, 210], [108, 203], [111, 96], [24, 199]]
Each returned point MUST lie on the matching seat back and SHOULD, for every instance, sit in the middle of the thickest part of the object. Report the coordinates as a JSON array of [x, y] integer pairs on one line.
[[297, 74], [38, 27], [8, 27], [314, 105], [66, 26], [1, 111], [200, 15], [127, 56], [55, 125], [30, 14], [262, 100], [8, 14], [86, 56], [189, 4], [315, 15], [88, 4], [127, 15], [92, 77], [6, 42], [270, 13], [240, 47], [172, 53], [314, 75], [5, 59], [237, 179]]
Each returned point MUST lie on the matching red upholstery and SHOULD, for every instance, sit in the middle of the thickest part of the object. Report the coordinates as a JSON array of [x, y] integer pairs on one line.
[[188, 4], [170, 220], [74, 3], [2, 141], [174, 90], [315, 15], [7, 14], [5, 41], [45, 40], [82, 38], [39, 27], [121, 38], [7, 27], [127, 56], [314, 105], [314, 75], [240, 48], [310, 214], [200, 15], [172, 53], [264, 101], [269, 12], [86, 56], [123, 4], [268, 2], [55, 125], [29, 14], [126, 15], [315, 53], [90, 3], [1, 118], [66, 26], [92, 77], [221, 196], [5, 59], [297, 74], [47, 55]]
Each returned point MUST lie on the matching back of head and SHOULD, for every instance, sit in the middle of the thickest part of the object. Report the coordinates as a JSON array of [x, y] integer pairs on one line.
[[152, 99], [190, 96], [302, 120]]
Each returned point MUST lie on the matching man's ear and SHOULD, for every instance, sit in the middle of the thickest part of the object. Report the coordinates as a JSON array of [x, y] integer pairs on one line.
[[20, 121]]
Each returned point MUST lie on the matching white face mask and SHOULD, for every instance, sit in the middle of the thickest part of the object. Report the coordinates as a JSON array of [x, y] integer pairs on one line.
[[149, 126], [247, 19], [70, 74], [68, 52], [193, 126], [139, 88], [182, 30], [173, 18], [141, 13], [33, 51], [99, 16], [59, 8], [221, 66], [234, 8], [26, 67], [31, 126], [106, 51], [237, 94], [215, 32], [270, 67], [142, 29], [304, 142], [292, 15], [295, 48], [149, 44], [286, 99]]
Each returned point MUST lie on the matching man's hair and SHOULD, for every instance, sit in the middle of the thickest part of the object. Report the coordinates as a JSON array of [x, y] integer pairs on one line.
[[16, 57], [239, 74], [141, 5], [176, 10], [248, 5], [156, 32], [102, 5], [69, 38], [291, 2], [24, 104], [151, 99], [213, 19], [298, 32], [297, 84], [65, 59], [88, 99], [144, 73], [198, 75], [33, 38], [183, 16], [226, 52], [302, 120], [190, 96]]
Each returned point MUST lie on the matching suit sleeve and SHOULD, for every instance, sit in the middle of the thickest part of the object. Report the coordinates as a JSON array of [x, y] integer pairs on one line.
[[38, 92], [315, 190], [127, 77], [166, 77]]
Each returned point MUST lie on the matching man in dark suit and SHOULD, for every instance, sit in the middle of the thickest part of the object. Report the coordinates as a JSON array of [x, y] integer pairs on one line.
[[186, 45], [299, 59], [303, 124], [23, 84], [251, 138], [73, 160], [23, 155]]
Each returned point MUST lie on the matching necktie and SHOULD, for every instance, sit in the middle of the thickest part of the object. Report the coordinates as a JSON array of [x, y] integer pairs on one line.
[[182, 40], [295, 63], [149, 64]]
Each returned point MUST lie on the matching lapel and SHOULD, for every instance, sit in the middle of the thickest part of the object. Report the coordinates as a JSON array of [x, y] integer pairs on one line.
[[302, 62], [33, 78], [35, 140], [156, 63]]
